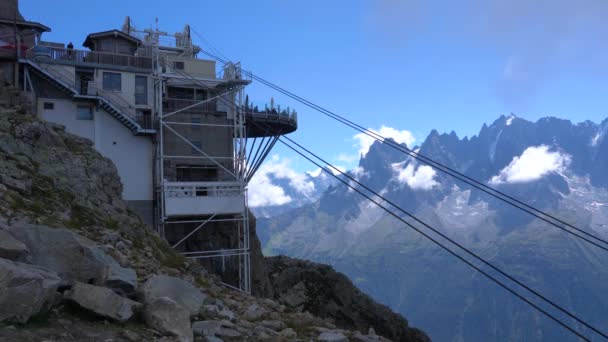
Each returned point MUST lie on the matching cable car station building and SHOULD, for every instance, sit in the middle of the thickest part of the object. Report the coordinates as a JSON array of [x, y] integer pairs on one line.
[[183, 139]]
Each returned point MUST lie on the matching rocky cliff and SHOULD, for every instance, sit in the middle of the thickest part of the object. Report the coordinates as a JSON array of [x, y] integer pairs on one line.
[[77, 265]]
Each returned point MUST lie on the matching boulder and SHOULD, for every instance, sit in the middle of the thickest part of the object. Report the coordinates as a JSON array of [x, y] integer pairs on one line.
[[206, 328], [332, 336], [74, 258], [102, 301], [274, 325], [254, 313], [358, 337], [288, 333], [11, 248], [25, 290], [178, 290], [222, 329], [169, 318]]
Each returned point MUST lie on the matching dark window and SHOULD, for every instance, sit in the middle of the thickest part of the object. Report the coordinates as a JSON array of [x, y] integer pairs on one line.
[[181, 93], [84, 113], [144, 118], [112, 81], [200, 95], [178, 65], [141, 90], [196, 173], [49, 105]]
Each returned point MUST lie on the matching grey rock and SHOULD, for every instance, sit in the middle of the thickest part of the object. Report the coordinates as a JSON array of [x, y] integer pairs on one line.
[[288, 333], [25, 290], [131, 336], [178, 290], [295, 296], [212, 311], [213, 339], [254, 313], [358, 337], [206, 328], [74, 258], [169, 318], [215, 328], [102, 301], [332, 336], [274, 325], [11, 248]]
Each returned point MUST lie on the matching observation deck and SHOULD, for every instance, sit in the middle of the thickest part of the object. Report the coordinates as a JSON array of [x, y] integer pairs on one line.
[[269, 123]]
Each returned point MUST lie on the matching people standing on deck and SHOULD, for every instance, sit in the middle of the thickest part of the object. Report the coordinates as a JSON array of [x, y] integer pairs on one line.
[[70, 50]]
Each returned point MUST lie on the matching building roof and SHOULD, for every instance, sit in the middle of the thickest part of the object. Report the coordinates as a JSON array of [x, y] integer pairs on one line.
[[26, 24], [113, 33]]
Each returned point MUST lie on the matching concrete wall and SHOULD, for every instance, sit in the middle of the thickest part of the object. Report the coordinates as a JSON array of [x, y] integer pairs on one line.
[[9, 10], [194, 67], [132, 155]]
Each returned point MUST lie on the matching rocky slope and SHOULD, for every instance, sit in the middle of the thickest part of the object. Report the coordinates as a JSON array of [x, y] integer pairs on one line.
[[77, 265]]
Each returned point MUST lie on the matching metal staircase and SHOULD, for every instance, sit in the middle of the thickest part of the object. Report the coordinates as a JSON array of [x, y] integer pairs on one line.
[[114, 104]]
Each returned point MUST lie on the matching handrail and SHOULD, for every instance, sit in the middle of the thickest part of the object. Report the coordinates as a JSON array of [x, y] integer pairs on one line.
[[203, 189], [94, 57], [93, 89], [173, 104]]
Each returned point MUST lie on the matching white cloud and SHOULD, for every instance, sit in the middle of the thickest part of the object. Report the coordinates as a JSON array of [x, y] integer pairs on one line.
[[315, 173], [364, 141], [347, 158], [359, 172], [533, 164], [262, 192], [421, 178], [340, 169]]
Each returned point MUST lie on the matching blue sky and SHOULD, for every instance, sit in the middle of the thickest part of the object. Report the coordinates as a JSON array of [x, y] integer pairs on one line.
[[411, 65]]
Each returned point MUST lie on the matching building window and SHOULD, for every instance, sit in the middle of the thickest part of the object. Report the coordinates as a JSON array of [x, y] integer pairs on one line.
[[112, 81], [49, 105], [178, 65], [141, 90], [84, 113], [200, 95]]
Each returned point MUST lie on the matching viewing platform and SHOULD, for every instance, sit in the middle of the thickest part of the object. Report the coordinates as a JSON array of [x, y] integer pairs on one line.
[[48, 54], [203, 198]]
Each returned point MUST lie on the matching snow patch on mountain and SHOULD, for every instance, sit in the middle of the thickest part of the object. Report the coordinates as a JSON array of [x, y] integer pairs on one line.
[[587, 199], [510, 120], [369, 215], [534, 163], [599, 136], [456, 212], [492, 152]]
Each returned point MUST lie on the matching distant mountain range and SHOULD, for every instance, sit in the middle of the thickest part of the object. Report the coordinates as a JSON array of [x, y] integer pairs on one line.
[[552, 164]]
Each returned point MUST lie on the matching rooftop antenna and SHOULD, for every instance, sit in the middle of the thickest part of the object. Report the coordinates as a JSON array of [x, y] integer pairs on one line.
[[127, 27]]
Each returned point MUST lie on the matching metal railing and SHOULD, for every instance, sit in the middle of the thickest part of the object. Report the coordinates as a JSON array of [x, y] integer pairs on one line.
[[173, 104], [203, 189], [270, 116], [91, 88], [93, 57]]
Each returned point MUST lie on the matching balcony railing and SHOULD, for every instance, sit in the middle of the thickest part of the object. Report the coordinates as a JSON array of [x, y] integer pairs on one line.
[[203, 189], [71, 56], [203, 198]]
